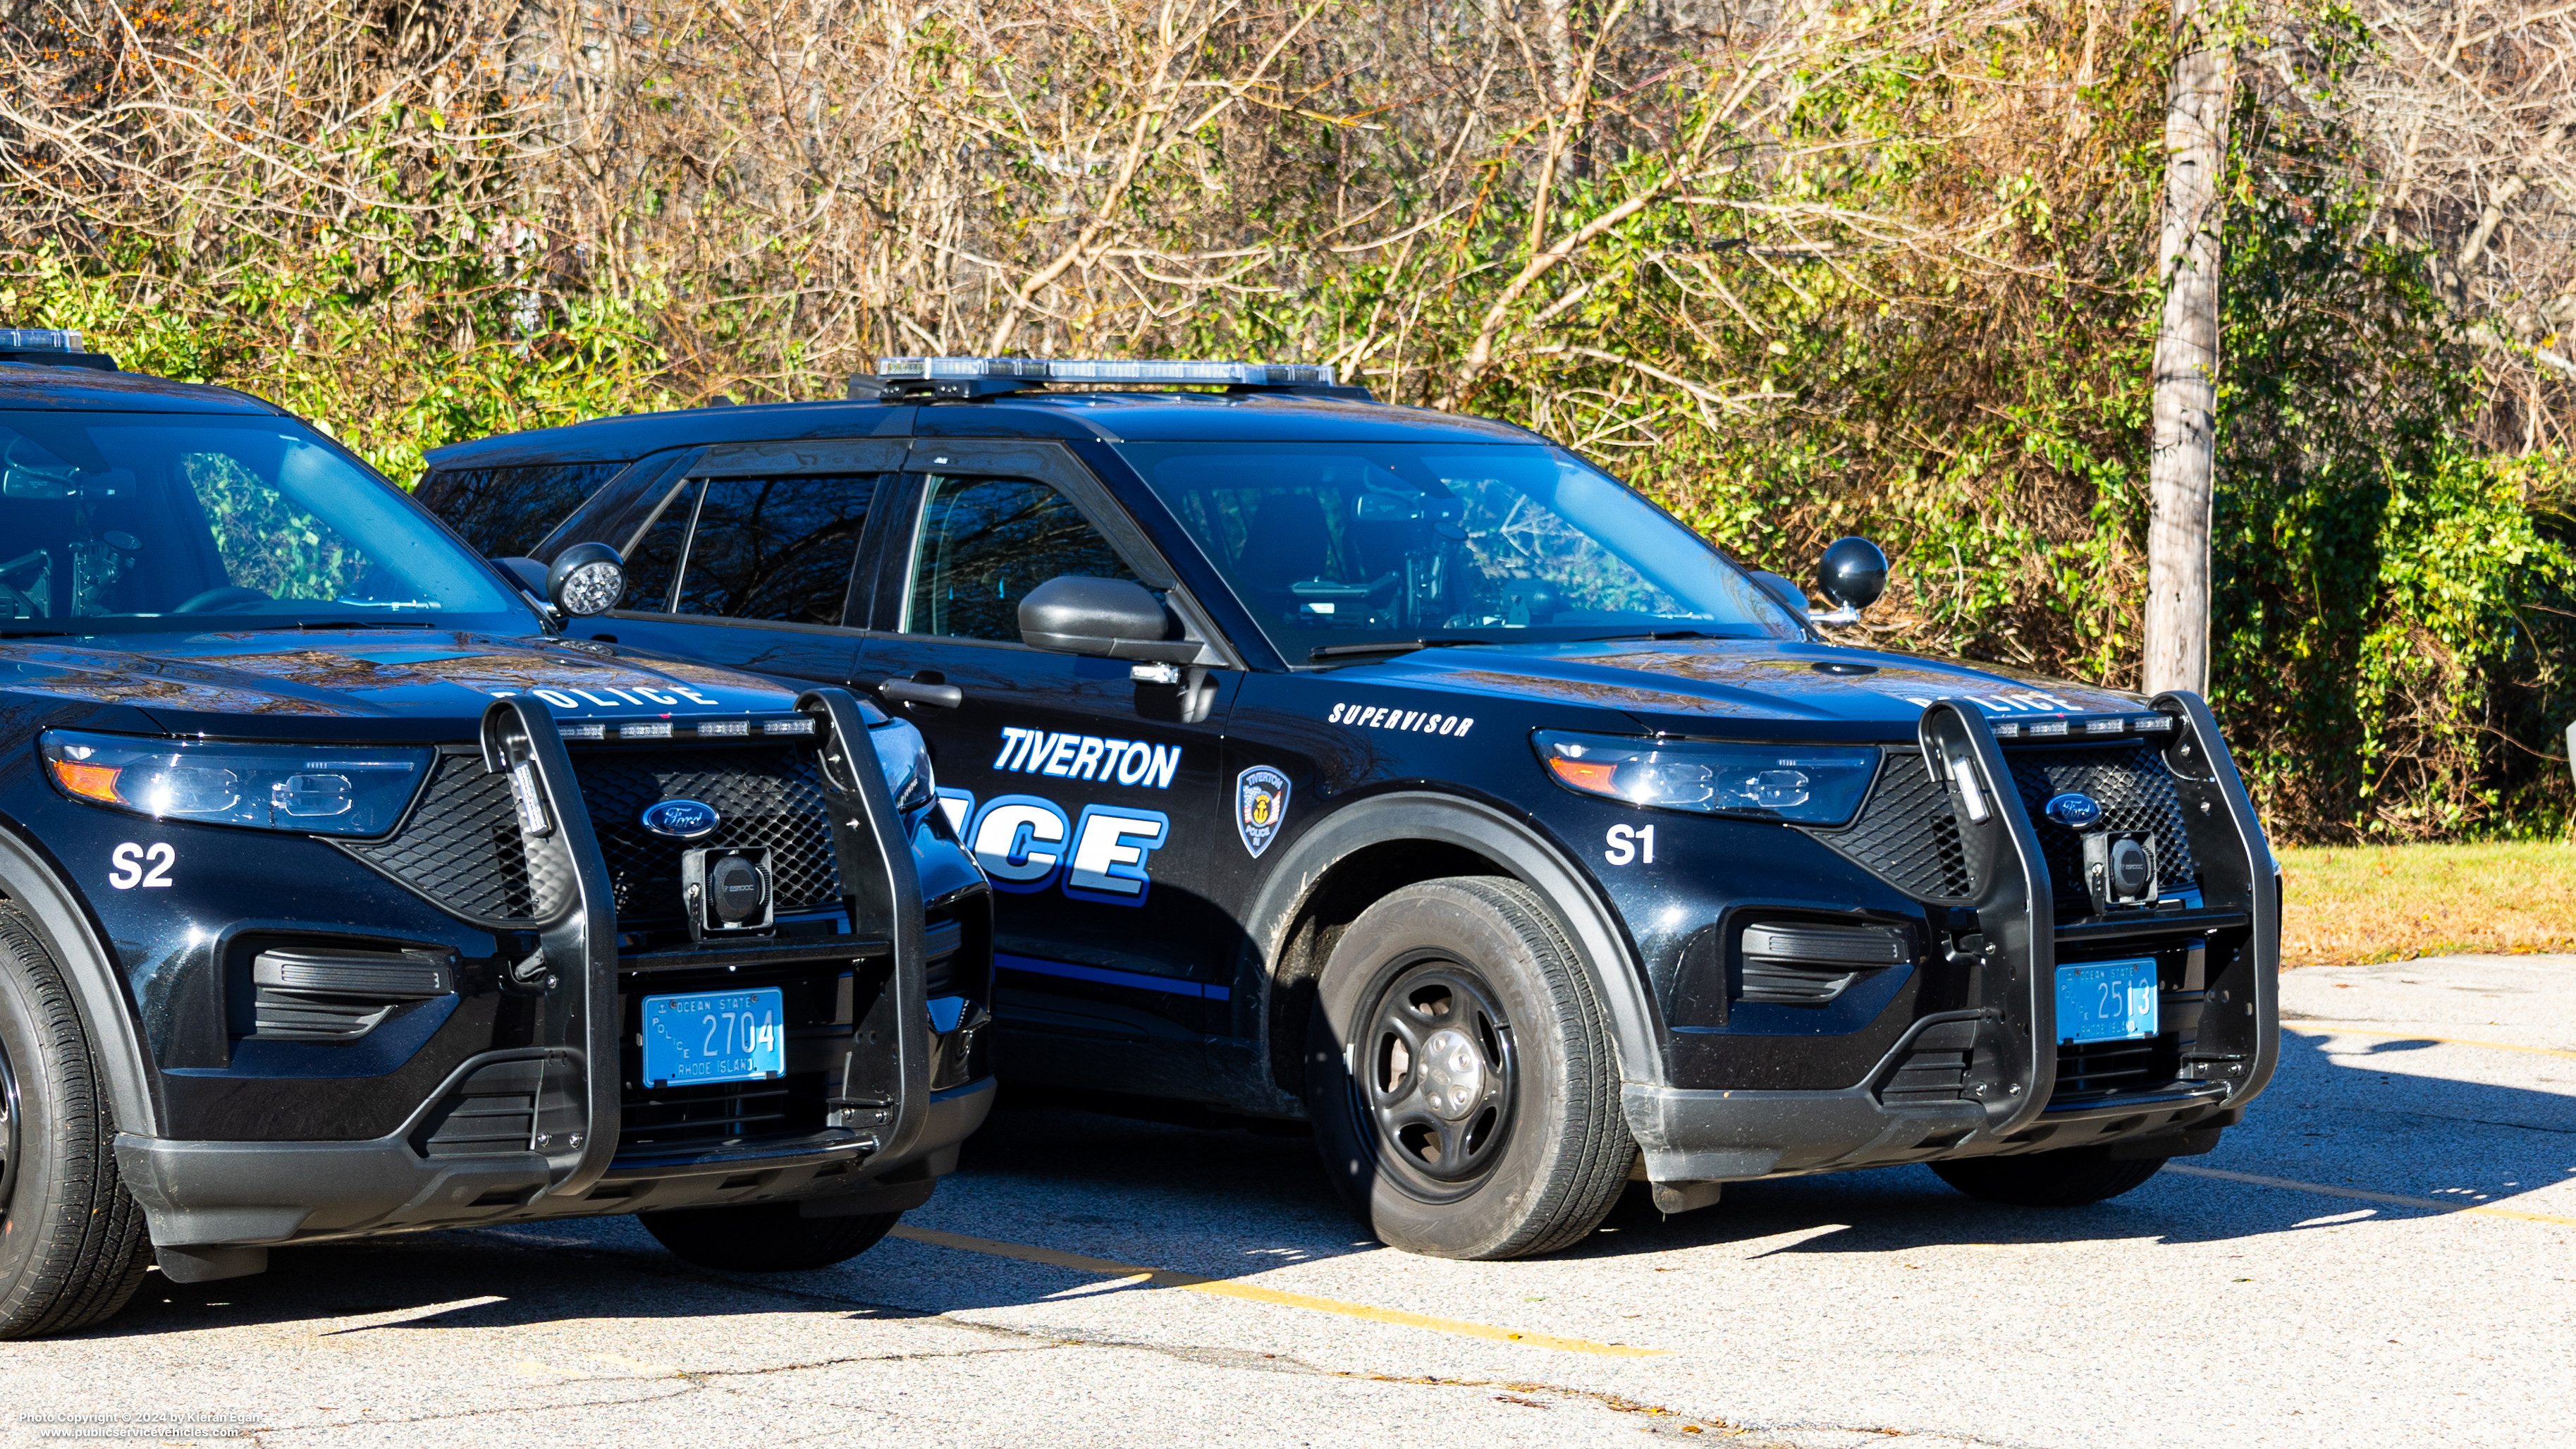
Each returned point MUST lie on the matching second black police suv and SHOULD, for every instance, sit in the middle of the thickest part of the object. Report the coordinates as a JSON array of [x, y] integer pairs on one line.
[[341, 894], [1404, 772]]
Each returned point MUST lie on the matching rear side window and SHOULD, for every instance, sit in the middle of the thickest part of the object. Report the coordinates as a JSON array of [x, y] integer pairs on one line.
[[775, 548], [506, 512], [984, 543]]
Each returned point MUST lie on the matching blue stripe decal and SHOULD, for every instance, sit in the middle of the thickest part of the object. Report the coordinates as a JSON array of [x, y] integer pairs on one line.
[[1131, 979]]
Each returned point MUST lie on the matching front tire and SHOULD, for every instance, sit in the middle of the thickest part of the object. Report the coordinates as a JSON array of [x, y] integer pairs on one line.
[[2071, 1177], [1460, 1075], [73, 1243], [765, 1237]]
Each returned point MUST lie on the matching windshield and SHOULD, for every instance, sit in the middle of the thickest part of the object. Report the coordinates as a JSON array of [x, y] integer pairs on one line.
[[127, 522], [1353, 543]]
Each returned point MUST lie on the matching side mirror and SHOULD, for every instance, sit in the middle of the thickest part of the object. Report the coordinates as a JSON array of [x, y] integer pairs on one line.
[[1115, 618], [587, 579], [527, 573], [1853, 573]]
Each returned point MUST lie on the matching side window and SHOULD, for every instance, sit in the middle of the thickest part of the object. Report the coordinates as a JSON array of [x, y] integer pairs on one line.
[[984, 543], [505, 512], [775, 548]]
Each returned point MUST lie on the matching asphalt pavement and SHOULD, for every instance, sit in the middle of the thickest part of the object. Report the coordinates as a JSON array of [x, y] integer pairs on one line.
[[2381, 1256]]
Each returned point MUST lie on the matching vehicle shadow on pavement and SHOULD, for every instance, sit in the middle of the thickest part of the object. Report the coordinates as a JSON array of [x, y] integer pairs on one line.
[[2332, 1118], [1225, 1203]]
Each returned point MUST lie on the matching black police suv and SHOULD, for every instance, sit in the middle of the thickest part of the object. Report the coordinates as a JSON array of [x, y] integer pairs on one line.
[[1404, 772], [344, 895]]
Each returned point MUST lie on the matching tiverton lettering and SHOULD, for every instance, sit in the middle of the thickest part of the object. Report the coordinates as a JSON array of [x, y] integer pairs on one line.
[[1088, 757]]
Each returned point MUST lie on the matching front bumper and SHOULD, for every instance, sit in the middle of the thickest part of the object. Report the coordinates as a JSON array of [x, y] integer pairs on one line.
[[207, 1195], [1995, 1066], [539, 1127]]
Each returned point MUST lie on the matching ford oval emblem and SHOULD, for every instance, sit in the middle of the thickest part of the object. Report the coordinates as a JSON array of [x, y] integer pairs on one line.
[[682, 819], [2073, 810]]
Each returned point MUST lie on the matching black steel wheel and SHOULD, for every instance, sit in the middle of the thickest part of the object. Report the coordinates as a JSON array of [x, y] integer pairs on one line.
[[1460, 1075], [1442, 1076], [73, 1243]]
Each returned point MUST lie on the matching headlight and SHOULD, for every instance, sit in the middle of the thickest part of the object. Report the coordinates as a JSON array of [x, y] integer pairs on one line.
[[1814, 785], [314, 790], [906, 758]]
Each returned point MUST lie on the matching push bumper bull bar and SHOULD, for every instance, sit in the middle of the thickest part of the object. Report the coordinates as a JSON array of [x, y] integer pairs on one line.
[[2010, 1034], [214, 1207]]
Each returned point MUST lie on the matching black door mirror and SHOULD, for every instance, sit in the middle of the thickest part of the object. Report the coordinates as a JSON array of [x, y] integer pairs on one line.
[[587, 579], [1115, 618], [1853, 573]]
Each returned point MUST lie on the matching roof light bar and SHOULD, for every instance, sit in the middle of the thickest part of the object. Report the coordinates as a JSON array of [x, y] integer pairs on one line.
[[1101, 370], [39, 339]]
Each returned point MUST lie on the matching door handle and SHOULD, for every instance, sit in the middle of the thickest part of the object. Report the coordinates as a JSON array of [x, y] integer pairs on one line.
[[914, 691]]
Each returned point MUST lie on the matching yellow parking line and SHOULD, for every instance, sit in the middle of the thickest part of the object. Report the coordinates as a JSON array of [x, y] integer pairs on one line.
[[1230, 1288], [2365, 1195], [2338, 1029]]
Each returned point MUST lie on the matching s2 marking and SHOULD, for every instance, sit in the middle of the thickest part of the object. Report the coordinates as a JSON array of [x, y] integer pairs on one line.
[[1630, 842], [132, 865]]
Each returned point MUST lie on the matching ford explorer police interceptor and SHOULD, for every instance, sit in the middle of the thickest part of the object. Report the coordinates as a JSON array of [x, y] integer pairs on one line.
[[1405, 773], [342, 894]]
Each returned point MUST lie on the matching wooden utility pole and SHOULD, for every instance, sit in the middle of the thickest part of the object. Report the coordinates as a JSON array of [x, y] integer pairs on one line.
[[2186, 361]]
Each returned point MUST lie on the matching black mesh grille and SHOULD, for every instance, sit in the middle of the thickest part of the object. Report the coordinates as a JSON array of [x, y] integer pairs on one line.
[[2135, 790], [461, 846], [1905, 833], [767, 796]]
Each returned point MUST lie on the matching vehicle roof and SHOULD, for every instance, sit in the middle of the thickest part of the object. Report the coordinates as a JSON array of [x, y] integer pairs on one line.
[[1113, 417], [87, 389]]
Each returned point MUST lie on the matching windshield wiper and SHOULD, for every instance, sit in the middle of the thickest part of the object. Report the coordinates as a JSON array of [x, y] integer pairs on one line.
[[1656, 634], [1386, 646]]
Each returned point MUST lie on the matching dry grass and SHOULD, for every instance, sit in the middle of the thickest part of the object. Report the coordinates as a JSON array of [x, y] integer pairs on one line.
[[2347, 904]]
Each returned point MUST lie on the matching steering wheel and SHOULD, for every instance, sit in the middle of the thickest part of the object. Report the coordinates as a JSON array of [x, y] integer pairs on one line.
[[221, 601]]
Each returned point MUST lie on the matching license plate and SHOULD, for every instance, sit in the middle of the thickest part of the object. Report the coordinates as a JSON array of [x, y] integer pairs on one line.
[[2106, 1001], [714, 1036]]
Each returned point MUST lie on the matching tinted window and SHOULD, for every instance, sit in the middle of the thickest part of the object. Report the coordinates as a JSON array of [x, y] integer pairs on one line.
[[506, 512], [1334, 543], [985, 542], [115, 521], [775, 548], [653, 564]]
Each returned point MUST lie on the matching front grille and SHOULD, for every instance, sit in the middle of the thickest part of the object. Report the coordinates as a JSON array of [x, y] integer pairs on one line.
[[460, 847], [768, 796], [668, 1120], [2133, 787], [1907, 836], [2099, 1069]]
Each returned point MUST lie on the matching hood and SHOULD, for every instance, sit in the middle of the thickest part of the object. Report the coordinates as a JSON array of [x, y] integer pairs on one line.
[[414, 684], [1745, 686]]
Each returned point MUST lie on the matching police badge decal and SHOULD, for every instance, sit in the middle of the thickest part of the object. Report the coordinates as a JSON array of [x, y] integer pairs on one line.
[[1260, 803]]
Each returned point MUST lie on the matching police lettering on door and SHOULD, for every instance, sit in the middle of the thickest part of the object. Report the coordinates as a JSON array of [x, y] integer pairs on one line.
[[1103, 853]]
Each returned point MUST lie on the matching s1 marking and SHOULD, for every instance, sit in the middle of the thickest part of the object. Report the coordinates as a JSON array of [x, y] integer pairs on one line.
[[1630, 842], [132, 865]]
